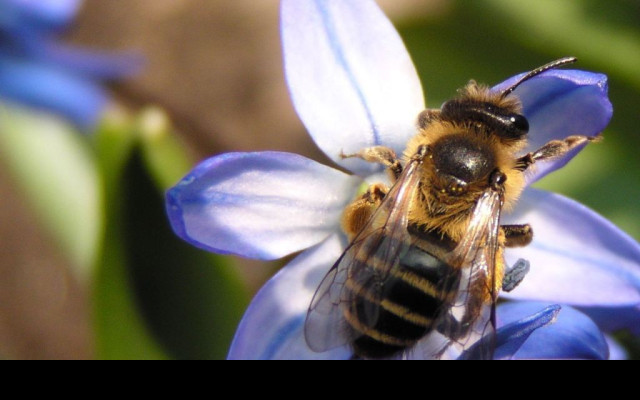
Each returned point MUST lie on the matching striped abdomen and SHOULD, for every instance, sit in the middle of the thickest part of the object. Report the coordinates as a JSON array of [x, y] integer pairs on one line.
[[388, 317]]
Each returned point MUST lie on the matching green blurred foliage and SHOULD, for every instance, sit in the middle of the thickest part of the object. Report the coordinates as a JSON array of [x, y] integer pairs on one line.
[[121, 332]]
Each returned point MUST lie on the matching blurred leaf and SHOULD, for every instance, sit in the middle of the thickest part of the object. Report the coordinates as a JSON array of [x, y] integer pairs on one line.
[[52, 163], [114, 143], [458, 46], [606, 36], [163, 154], [121, 332]]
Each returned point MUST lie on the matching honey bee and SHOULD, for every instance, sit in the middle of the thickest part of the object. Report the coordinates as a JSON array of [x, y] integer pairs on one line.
[[425, 261]]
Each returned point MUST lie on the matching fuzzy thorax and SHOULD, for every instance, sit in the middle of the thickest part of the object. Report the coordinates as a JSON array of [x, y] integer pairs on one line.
[[444, 200]]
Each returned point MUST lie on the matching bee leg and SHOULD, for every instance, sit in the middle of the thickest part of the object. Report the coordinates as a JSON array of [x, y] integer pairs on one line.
[[428, 116], [357, 214], [517, 235], [515, 275], [553, 149], [379, 154]]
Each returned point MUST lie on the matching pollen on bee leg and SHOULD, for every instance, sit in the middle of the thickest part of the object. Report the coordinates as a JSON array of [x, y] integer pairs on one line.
[[517, 235], [358, 213]]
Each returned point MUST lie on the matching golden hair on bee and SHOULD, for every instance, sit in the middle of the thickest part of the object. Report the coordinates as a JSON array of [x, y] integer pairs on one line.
[[444, 202], [483, 93]]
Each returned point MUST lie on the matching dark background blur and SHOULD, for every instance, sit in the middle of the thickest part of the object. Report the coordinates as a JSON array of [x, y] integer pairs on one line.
[[215, 67]]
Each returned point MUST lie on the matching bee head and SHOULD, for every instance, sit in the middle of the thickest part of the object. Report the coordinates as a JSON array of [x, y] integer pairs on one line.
[[502, 120], [495, 113]]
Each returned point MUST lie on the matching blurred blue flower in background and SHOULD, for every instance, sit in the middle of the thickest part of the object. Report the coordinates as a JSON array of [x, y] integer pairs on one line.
[[354, 86], [41, 72]]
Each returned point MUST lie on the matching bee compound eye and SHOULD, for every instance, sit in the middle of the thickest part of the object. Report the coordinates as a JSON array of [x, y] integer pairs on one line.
[[520, 124]]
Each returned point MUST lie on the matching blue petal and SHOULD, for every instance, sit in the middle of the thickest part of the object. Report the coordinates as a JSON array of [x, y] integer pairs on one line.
[[512, 336], [577, 257], [572, 336], [259, 205], [272, 327], [51, 89], [80, 61], [94, 64], [612, 319], [38, 14], [351, 79], [561, 103]]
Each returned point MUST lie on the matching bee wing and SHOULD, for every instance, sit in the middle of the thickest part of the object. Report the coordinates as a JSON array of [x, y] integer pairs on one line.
[[363, 266], [472, 315]]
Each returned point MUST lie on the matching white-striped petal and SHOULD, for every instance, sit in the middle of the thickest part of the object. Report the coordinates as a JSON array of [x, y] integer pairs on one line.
[[259, 205], [351, 79], [272, 327]]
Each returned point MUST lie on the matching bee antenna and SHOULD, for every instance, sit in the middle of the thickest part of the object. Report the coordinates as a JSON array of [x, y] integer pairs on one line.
[[552, 65]]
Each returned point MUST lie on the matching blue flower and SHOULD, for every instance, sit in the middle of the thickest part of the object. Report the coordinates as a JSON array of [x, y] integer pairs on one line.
[[41, 72], [354, 85]]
